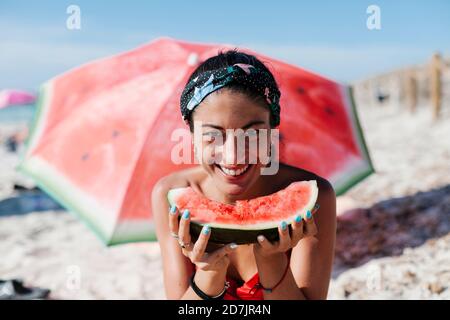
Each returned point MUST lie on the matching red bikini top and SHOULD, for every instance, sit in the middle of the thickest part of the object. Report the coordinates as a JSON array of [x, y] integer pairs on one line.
[[248, 291]]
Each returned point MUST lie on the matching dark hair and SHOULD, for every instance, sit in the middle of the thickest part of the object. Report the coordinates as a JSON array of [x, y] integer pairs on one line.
[[229, 58]]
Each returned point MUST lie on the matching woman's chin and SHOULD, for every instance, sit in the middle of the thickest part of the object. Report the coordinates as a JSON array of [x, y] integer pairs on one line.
[[234, 190], [230, 188], [234, 186]]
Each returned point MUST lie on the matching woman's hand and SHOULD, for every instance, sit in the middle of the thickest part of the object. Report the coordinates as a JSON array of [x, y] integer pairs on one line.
[[213, 261], [301, 228]]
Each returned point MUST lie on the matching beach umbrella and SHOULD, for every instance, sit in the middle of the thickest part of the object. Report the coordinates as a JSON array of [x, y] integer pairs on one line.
[[11, 97], [102, 134]]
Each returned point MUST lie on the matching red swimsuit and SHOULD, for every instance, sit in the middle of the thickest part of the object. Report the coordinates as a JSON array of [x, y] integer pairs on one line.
[[245, 292]]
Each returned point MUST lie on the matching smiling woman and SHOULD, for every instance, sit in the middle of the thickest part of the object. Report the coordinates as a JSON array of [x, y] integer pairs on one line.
[[228, 101], [221, 155]]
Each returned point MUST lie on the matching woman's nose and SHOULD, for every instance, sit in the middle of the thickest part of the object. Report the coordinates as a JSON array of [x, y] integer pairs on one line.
[[233, 151]]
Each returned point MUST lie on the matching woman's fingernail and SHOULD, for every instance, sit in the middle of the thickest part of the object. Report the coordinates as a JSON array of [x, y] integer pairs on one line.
[[308, 215], [233, 245], [298, 218], [260, 238], [283, 225], [186, 214], [206, 229], [173, 209]]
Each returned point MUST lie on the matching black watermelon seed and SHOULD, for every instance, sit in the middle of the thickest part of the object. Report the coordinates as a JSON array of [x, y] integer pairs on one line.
[[301, 90], [329, 110]]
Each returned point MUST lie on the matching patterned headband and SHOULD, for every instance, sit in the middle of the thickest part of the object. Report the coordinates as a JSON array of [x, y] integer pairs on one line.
[[248, 75]]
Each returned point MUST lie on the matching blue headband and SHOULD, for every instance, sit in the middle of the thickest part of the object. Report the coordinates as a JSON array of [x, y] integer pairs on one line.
[[248, 75]]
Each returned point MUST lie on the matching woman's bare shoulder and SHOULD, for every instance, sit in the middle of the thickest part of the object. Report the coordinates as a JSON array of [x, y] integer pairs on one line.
[[289, 174], [326, 198], [190, 177], [179, 179]]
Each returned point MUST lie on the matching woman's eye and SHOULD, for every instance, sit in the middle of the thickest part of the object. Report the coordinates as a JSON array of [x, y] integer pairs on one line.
[[251, 133], [211, 136]]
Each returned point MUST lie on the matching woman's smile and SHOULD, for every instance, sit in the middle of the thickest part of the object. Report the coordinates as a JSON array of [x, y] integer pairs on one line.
[[234, 173]]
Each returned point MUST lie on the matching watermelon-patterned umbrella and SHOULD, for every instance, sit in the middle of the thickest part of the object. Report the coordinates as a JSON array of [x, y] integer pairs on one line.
[[101, 136]]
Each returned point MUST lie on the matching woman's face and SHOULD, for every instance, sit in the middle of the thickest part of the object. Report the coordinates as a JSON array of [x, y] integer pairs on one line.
[[227, 133]]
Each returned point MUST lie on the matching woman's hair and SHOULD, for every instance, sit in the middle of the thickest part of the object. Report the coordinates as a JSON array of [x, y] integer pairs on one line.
[[229, 58]]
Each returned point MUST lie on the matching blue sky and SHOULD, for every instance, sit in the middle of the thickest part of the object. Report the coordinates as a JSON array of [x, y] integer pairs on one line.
[[328, 37]]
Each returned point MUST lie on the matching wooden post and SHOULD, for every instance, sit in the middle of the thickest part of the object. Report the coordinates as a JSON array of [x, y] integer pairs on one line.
[[411, 90], [436, 84]]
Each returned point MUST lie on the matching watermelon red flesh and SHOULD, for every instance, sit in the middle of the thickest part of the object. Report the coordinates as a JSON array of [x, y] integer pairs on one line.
[[246, 219]]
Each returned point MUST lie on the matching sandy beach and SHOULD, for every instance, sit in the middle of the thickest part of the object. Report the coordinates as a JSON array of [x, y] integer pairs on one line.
[[393, 228]]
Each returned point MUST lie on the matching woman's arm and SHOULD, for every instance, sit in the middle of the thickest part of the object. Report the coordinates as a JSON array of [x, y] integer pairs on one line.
[[210, 282], [271, 270], [308, 274], [178, 268], [312, 257]]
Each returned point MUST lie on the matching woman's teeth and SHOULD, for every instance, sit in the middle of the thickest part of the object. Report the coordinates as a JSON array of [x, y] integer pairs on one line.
[[237, 172]]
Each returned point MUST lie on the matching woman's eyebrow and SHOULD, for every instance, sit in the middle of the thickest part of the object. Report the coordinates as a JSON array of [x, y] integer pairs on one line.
[[248, 125], [212, 126], [252, 123]]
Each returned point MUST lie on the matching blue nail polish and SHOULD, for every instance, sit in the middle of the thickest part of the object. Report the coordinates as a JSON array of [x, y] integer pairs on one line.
[[206, 229], [186, 214], [298, 218], [283, 225], [173, 209], [308, 214]]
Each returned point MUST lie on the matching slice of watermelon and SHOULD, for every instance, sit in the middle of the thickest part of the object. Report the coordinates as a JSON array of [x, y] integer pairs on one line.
[[244, 221]]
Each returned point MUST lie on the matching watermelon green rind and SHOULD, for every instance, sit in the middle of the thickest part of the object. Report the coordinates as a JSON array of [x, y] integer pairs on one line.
[[172, 194], [60, 189], [44, 96], [239, 233], [363, 167], [368, 167], [138, 230], [357, 124], [223, 235]]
